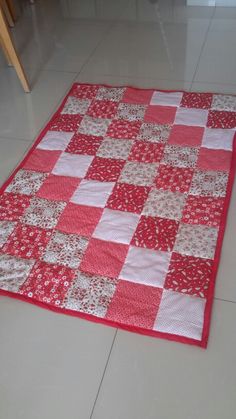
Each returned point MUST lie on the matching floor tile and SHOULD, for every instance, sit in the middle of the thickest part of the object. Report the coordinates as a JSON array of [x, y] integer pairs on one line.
[[213, 87], [11, 152]]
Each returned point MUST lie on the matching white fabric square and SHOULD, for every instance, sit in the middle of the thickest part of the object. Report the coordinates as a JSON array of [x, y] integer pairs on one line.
[[94, 126], [166, 98], [195, 117], [92, 193], [72, 165], [55, 140], [180, 314], [75, 106], [145, 266], [116, 226], [218, 139]]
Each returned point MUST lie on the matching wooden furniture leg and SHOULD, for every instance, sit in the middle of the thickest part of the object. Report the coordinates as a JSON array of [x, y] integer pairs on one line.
[[11, 52], [7, 56], [12, 9], [7, 13]]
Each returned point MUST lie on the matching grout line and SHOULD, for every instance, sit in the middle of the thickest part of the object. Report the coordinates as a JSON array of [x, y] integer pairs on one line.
[[223, 299], [103, 375]]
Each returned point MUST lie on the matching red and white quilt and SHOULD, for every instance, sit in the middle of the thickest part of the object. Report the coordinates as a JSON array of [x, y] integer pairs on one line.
[[118, 211]]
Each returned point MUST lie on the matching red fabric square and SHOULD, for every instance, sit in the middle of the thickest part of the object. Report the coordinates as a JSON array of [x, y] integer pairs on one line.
[[12, 206], [221, 119], [186, 135], [84, 144], [146, 152], [105, 169], [42, 160], [155, 233], [67, 123], [126, 197], [209, 159], [27, 241], [48, 283], [79, 219], [137, 96], [135, 304], [58, 188], [103, 109], [124, 129], [104, 258], [175, 179], [84, 91], [160, 114], [204, 210], [189, 275], [196, 100]]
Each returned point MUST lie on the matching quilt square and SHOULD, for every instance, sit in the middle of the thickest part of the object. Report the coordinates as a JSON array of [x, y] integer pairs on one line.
[[6, 228], [137, 96], [174, 179], [27, 242], [84, 91], [75, 106], [103, 109], [73, 165], [58, 188], [65, 249], [94, 126], [126, 197], [84, 144], [166, 98], [116, 226], [189, 275], [135, 304], [66, 123], [204, 210], [91, 294], [123, 129], [104, 258], [180, 156], [154, 133], [196, 100], [155, 233], [105, 170], [55, 140], [209, 183], [192, 117], [42, 160], [114, 94], [43, 213], [218, 139], [180, 314], [221, 119], [13, 272], [93, 193], [112, 148], [131, 112], [196, 240], [26, 182], [146, 152], [164, 204], [224, 103], [141, 174], [145, 266], [85, 219], [48, 283], [214, 159], [160, 114], [186, 135], [12, 206]]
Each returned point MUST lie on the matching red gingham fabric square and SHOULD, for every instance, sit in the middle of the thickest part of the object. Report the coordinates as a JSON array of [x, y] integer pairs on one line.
[[160, 114], [58, 188], [42, 160], [84, 91], [48, 283], [136, 96], [12, 206], [126, 197], [146, 152], [221, 119], [79, 219], [189, 275], [196, 100], [209, 159], [135, 304], [105, 169], [186, 135], [204, 210], [104, 258], [124, 129], [66, 123], [175, 179], [27, 241], [155, 233], [84, 144], [103, 109]]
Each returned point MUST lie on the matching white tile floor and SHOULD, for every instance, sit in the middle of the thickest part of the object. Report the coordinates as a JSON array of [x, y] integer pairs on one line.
[[57, 367]]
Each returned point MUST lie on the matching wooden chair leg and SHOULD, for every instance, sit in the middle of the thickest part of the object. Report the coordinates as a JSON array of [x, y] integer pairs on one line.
[[8, 45], [12, 9], [7, 13], [7, 56]]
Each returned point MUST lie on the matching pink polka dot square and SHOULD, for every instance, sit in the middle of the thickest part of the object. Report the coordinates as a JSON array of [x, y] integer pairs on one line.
[[79, 219], [126, 197], [58, 188], [103, 109], [204, 210], [186, 135], [84, 144], [105, 170], [196, 100], [145, 152], [221, 119], [137, 96], [160, 114], [210, 159], [174, 179], [42, 160], [135, 304], [121, 128]]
